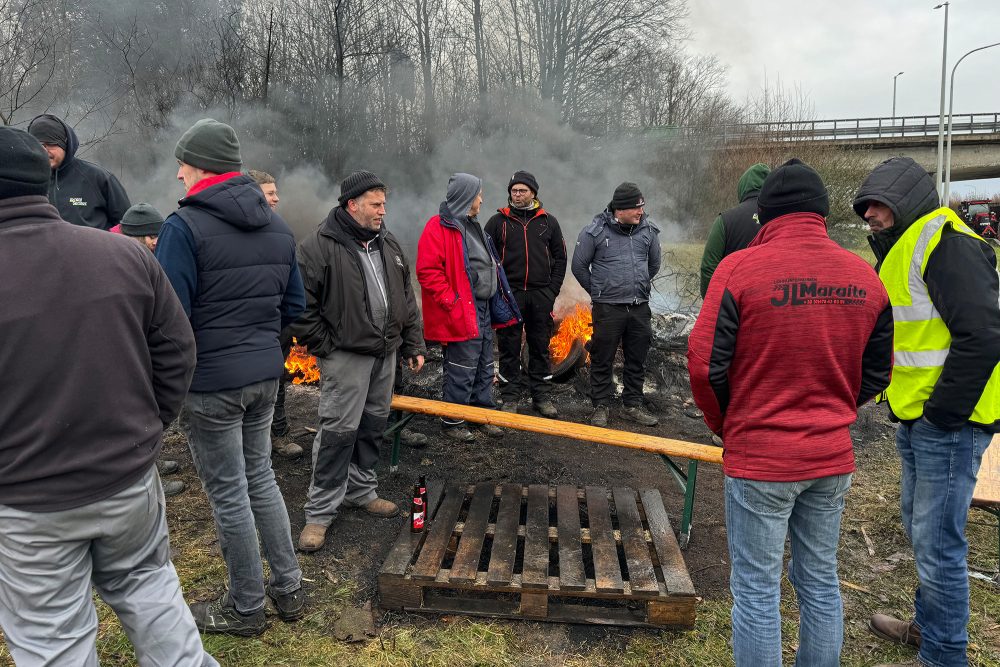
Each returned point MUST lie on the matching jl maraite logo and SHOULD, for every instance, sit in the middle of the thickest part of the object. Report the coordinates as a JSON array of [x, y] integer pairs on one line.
[[810, 292]]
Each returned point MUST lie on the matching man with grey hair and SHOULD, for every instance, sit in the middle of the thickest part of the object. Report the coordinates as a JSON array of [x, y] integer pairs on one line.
[[357, 276], [279, 422], [465, 296]]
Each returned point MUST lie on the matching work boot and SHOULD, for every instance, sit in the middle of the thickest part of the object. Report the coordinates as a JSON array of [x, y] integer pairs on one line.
[[286, 450], [382, 508], [490, 430], [509, 406], [220, 617], [640, 416], [290, 606], [313, 537], [173, 487], [600, 416], [459, 433], [546, 408], [168, 467], [894, 630]]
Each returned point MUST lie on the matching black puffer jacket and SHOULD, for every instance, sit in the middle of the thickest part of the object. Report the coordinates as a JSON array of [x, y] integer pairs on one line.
[[963, 284], [338, 315]]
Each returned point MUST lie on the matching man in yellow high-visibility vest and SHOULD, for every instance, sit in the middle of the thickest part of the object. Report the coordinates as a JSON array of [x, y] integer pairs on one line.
[[944, 288]]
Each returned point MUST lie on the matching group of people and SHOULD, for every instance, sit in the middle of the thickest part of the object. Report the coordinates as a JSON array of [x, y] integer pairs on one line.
[[795, 334], [193, 322]]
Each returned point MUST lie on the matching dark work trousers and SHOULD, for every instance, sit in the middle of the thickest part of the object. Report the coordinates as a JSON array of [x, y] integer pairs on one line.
[[536, 309], [280, 422], [468, 368], [613, 324]]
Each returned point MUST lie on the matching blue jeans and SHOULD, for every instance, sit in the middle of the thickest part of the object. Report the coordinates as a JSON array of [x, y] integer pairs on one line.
[[229, 436], [759, 515], [939, 476]]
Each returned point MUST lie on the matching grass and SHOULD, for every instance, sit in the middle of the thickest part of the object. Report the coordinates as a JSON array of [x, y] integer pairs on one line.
[[869, 584]]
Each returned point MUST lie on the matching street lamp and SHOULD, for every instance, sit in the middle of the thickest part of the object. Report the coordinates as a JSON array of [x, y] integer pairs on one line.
[[944, 71], [951, 102], [894, 99]]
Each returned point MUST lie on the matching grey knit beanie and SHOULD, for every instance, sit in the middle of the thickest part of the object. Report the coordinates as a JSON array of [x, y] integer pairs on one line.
[[210, 145], [141, 220]]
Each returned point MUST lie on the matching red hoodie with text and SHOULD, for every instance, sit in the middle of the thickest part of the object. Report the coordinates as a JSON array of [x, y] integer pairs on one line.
[[795, 333]]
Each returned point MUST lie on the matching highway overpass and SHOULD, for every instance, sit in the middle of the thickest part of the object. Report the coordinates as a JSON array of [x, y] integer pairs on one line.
[[975, 139]]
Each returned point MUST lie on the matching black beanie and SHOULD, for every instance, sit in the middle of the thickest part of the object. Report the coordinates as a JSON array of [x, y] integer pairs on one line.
[[524, 178], [49, 130], [210, 145], [357, 184], [794, 187], [24, 164], [627, 195], [141, 220]]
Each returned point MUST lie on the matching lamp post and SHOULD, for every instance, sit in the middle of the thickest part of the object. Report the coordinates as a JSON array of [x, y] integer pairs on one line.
[[951, 103], [894, 99], [939, 176]]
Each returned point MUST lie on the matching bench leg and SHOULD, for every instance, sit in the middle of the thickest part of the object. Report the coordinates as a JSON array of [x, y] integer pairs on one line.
[[688, 482]]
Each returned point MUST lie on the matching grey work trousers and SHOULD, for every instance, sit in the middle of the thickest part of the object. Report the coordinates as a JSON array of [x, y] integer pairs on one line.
[[119, 545], [355, 393]]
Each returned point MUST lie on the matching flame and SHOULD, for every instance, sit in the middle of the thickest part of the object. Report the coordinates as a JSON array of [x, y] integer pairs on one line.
[[577, 324], [302, 365]]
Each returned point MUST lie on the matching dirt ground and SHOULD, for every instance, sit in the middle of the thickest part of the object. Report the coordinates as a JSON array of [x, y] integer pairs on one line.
[[358, 543]]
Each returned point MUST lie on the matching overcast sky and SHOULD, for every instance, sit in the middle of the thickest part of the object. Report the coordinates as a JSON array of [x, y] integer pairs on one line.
[[842, 54]]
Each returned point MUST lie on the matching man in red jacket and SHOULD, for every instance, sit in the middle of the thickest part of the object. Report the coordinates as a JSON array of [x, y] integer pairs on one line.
[[795, 334], [465, 295]]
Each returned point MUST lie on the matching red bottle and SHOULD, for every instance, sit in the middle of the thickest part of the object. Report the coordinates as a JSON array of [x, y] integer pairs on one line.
[[417, 512]]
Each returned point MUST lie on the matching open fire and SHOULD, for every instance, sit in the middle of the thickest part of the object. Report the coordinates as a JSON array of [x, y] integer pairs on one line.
[[301, 365], [575, 326]]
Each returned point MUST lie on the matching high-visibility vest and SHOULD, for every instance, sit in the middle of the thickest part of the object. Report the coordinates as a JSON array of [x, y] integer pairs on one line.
[[921, 339]]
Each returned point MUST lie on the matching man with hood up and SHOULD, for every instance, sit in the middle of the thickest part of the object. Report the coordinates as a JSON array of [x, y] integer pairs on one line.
[[465, 295], [231, 260], [83, 192], [804, 323], [533, 255], [945, 391], [736, 227], [360, 310], [616, 257]]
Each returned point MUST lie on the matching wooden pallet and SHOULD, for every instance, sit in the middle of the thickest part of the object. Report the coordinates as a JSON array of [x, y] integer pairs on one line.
[[547, 554]]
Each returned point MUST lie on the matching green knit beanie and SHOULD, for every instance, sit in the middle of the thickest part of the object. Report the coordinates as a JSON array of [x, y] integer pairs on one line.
[[141, 220], [210, 145]]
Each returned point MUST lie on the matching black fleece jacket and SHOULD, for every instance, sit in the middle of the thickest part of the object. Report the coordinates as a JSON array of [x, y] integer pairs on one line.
[[963, 285], [532, 249], [96, 359]]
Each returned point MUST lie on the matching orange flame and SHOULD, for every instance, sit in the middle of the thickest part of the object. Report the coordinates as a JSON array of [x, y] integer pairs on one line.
[[302, 365], [577, 324]]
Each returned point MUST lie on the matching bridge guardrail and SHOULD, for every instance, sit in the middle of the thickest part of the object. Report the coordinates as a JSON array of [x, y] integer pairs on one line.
[[849, 128]]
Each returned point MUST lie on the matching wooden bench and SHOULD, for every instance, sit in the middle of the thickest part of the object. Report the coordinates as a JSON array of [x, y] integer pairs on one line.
[[666, 448], [986, 496]]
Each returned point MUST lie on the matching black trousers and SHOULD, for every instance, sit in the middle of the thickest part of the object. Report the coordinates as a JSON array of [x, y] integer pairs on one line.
[[280, 421], [536, 309], [629, 325]]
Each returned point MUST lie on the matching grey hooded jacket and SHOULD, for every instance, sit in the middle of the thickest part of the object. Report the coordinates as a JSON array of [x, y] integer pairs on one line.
[[615, 267]]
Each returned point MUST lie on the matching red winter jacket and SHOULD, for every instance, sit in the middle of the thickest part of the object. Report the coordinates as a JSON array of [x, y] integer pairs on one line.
[[449, 308], [795, 334]]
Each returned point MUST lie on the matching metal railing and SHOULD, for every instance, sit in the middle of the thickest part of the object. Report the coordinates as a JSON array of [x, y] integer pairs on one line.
[[844, 128]]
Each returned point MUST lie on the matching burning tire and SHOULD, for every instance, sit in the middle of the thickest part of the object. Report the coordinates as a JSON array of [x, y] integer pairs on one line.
[[565, 370]]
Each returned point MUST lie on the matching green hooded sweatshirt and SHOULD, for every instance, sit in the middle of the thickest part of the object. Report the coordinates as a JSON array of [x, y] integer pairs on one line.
[[747, 190]]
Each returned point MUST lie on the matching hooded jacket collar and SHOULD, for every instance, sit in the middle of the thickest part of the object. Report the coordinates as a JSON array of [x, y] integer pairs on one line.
[[233, 198], [909, 192], [791, 225]]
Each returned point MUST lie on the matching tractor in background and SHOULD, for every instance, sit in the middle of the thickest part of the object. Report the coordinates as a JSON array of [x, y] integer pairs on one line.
[[981, 216]]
